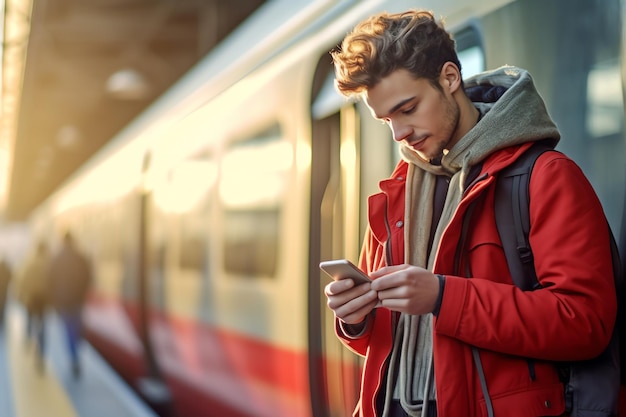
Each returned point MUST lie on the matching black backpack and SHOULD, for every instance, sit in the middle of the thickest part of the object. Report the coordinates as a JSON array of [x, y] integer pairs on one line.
[[591, 386]]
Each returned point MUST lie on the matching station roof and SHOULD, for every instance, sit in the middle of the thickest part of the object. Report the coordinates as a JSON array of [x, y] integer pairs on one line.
[[75, 72]]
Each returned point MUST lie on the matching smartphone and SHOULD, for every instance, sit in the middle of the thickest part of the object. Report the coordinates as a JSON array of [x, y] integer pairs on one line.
[[343, 268]]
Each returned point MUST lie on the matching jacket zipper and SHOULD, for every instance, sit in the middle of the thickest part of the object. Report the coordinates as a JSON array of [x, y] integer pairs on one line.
[[389, 262], [394, 315], [388, 252]]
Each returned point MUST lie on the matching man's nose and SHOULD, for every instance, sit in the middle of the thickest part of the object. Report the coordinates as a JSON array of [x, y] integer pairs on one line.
[[399, 131]]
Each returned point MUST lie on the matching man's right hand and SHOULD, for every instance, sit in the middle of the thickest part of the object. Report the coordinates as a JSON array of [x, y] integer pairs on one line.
[[350, 303]]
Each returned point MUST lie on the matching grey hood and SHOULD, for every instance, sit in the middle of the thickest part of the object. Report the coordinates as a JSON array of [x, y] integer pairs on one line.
[[512, 112]]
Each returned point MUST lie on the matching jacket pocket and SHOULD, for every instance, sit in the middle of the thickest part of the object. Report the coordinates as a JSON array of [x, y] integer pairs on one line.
[[547, 400]]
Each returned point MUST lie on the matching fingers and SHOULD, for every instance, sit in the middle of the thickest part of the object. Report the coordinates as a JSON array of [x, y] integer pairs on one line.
[[351, 313], [350, 303], [339, 286], [393, 277], [405, 288], [386, 270]]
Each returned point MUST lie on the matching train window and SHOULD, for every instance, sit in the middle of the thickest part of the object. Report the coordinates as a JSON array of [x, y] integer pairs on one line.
[[252, 187], [192, 252], [186, 186], [328, 100], [605, 117], [470, 51], [180, 212], [251, 242]]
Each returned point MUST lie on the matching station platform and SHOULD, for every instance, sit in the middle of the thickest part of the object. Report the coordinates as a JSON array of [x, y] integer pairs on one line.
[[27, 392]]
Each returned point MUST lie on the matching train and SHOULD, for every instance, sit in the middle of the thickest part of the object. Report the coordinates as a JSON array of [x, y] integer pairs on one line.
[[205, 219]]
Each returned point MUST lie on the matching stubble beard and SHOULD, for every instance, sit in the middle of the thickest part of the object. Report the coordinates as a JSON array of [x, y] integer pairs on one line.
[[451, 124]]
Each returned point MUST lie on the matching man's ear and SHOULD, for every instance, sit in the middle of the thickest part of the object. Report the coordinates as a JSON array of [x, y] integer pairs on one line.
[[450, 77]]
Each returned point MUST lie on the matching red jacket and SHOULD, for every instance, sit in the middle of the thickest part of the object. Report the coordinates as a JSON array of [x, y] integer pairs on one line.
[[570, 319]]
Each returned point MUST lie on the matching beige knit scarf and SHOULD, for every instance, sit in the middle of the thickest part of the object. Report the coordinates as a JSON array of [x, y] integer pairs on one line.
[[412, 351]]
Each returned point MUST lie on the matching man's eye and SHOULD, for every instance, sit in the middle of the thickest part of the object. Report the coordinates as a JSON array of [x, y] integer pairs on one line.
[[409, 110]]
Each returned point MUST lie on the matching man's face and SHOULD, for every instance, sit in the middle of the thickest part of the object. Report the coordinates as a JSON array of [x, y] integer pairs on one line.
[[419, 115]]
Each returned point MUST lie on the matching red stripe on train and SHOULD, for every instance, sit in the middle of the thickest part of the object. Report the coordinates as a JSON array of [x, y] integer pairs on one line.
[[207, 368]]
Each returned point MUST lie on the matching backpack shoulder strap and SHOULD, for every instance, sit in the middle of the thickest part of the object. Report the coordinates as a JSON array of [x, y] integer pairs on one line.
[[586, 379], [513, 217]]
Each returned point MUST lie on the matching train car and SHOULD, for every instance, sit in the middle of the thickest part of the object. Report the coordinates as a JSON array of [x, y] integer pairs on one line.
[[206, 218]]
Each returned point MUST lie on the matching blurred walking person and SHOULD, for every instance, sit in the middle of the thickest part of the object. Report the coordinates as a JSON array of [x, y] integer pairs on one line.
[[70, 279], [5, 278], [33, 293]]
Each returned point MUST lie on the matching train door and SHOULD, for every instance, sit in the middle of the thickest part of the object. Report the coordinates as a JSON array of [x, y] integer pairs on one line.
[[333, 371], [343, 173], [152, 386]]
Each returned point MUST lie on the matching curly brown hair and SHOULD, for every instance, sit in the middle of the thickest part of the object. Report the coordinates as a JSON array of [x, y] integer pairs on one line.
[[385, 42]]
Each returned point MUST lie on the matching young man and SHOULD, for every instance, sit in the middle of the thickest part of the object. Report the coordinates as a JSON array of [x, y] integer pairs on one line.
[[443, 328]]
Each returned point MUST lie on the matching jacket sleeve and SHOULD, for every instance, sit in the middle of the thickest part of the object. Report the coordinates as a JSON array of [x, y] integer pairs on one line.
[[572, 316], [357, 339]]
